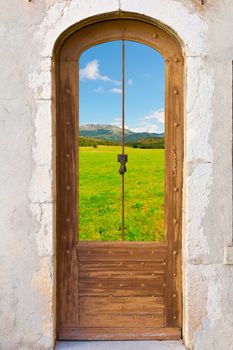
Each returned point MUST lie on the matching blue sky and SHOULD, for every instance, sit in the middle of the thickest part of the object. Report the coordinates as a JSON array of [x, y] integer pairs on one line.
[[100, 86]]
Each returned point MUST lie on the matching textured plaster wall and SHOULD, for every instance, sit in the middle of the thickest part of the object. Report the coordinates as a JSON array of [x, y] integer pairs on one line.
[[28, 31]]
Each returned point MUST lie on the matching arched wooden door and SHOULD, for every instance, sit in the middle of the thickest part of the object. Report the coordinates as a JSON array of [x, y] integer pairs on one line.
[[118, 290]]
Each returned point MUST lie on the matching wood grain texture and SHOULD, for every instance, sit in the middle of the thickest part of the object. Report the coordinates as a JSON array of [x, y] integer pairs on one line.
[[123, 333], [118, 290], [120, 251], [118, 270], [118, 284], [147, 305]]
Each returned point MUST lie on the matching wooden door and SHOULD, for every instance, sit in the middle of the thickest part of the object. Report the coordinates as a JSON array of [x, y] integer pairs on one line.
[[118, 290]]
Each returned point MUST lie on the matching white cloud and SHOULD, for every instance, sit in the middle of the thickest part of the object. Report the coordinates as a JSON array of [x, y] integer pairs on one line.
[[156, 115], [151, 128], [130, 82], [99, 90], [116, 90], [116, 123], [152, 123], [92, 72]]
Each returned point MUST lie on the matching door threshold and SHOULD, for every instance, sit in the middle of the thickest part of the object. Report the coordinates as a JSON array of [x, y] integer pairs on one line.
[[120, 345]]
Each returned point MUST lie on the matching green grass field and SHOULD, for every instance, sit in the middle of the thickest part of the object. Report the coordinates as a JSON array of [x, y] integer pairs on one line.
[[100, 194]]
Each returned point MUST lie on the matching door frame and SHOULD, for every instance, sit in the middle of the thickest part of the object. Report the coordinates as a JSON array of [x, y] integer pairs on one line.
[[88, 33]]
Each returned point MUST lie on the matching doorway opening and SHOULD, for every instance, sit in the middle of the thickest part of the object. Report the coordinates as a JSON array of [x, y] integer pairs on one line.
[[120, 183]]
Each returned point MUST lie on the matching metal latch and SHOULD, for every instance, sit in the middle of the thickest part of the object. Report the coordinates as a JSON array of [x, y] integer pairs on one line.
[[123, 159]]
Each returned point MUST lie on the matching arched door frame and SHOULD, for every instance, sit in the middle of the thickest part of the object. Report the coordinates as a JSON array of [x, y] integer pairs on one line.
[[79, 38]]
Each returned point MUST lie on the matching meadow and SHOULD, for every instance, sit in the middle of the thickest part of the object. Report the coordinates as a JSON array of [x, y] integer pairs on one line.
[[100, 194]]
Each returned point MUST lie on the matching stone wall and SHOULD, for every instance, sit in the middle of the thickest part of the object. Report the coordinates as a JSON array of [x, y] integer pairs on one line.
[[28, 32]]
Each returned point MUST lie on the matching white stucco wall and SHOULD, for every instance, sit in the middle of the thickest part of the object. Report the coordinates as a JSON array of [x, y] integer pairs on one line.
[[28, 31]]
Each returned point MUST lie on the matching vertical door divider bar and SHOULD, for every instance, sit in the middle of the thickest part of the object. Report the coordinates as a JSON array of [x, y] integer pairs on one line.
[[123, 138]]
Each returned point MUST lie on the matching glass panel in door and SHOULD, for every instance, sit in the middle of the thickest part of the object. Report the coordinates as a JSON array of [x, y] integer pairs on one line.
[[121, 83], [100, 135], [144, 122]]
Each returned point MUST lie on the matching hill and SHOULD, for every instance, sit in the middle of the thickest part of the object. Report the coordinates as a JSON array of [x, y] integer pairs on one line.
[[114, 133], [103, 132]]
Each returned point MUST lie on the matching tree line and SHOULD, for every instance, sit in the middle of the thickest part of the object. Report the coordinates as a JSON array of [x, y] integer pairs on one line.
[[147, 143]]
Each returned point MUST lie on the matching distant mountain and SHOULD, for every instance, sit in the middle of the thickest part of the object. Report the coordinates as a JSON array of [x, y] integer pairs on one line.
[[103, 131], [113, 133]]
